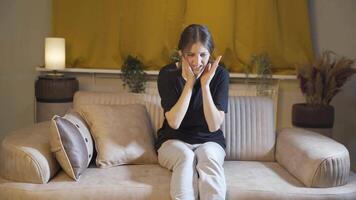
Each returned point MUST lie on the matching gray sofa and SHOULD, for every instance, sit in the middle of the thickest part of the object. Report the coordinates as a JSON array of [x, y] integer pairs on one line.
[[260, 163]]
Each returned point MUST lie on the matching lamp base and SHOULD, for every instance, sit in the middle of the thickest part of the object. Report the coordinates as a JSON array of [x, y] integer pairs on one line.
[[54, 74]]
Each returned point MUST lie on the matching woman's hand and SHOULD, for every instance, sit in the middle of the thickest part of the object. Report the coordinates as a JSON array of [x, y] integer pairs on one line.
[[187, 72], [209, 72]]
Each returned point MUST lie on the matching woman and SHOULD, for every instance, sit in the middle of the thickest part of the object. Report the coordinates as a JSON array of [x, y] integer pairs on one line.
[[194, 97]]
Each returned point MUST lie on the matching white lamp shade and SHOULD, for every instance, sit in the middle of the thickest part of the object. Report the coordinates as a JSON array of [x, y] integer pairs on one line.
[[55, 57]]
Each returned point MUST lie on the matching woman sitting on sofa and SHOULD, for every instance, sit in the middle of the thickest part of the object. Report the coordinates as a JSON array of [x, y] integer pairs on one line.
[[194, 97]]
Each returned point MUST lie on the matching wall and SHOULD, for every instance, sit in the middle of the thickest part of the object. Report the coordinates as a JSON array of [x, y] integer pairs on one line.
[[23, 27], [333, 28]]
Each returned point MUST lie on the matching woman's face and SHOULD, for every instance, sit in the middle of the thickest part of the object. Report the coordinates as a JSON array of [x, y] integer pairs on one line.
[[197, 57]]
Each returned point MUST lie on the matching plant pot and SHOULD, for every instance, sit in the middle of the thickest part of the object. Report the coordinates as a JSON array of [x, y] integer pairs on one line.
[[312, 116]]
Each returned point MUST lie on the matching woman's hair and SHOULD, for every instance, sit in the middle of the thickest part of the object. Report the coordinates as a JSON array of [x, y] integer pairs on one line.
[[196, 33]]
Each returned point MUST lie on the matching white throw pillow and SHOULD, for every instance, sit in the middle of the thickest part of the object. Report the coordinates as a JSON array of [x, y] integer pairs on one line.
[[123, 134]]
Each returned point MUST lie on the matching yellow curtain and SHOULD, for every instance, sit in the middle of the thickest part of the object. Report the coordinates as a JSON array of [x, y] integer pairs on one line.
[[91, 29], [150, 29], [279, 28], [101, 34]]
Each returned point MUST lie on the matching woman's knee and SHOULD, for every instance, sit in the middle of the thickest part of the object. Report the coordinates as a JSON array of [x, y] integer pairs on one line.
[[175, 152], [210, 152]]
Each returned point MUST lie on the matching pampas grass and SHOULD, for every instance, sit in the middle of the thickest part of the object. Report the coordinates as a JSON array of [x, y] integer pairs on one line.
[[323, 79]]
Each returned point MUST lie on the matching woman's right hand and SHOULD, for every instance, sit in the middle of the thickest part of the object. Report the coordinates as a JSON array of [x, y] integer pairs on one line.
[[187, 72]]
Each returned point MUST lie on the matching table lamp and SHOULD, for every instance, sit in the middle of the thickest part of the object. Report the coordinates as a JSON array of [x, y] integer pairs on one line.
[[55, 54], [54, 91]]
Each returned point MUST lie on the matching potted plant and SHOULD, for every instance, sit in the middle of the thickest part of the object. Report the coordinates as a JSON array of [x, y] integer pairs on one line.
[[133, 75], [174, 56], [261, 65], [319, 83]]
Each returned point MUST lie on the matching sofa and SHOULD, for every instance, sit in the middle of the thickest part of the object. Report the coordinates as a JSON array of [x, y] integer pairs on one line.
[[261, 163]]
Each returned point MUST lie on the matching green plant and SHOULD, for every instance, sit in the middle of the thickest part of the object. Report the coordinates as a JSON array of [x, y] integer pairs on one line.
[[264, 74], [261, 65], [174, 56], [133, 75], [321, 80]]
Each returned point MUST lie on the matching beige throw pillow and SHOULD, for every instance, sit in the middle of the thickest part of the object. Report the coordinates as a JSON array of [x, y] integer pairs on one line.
[[122, 133], [71, 143]]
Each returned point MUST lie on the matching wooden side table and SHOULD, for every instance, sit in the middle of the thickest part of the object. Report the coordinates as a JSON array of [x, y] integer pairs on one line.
[[54, 95]]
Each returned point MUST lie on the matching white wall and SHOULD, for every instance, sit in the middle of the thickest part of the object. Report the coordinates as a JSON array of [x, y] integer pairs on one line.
[[334, 28], [23, 27]]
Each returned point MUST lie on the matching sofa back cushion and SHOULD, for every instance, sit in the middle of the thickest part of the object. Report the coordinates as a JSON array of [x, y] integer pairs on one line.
[[249, 129], [151, 102], [248, 125]]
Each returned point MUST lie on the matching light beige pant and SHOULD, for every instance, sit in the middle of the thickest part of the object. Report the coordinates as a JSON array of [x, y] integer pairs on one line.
[[196, 169]]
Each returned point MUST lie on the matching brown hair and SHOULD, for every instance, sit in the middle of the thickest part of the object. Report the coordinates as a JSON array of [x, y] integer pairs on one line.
[[196, 33]]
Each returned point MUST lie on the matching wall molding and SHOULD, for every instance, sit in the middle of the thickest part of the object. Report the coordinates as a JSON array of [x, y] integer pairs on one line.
[[155, 73]]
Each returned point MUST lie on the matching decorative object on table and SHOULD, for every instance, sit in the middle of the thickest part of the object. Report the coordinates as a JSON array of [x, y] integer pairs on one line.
[[320, 81], [133, 75], [54, 91]]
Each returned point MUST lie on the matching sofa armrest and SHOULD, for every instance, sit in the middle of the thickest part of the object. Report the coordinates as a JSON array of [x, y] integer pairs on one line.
[[316, 160], [25, 155]]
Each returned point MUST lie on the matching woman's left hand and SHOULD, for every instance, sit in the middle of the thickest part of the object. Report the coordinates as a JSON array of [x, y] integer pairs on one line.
[[209, 72]]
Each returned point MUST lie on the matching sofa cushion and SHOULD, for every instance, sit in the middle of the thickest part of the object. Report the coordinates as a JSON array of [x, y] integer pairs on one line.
[[71, 143], [122, 134], [25, 155]]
